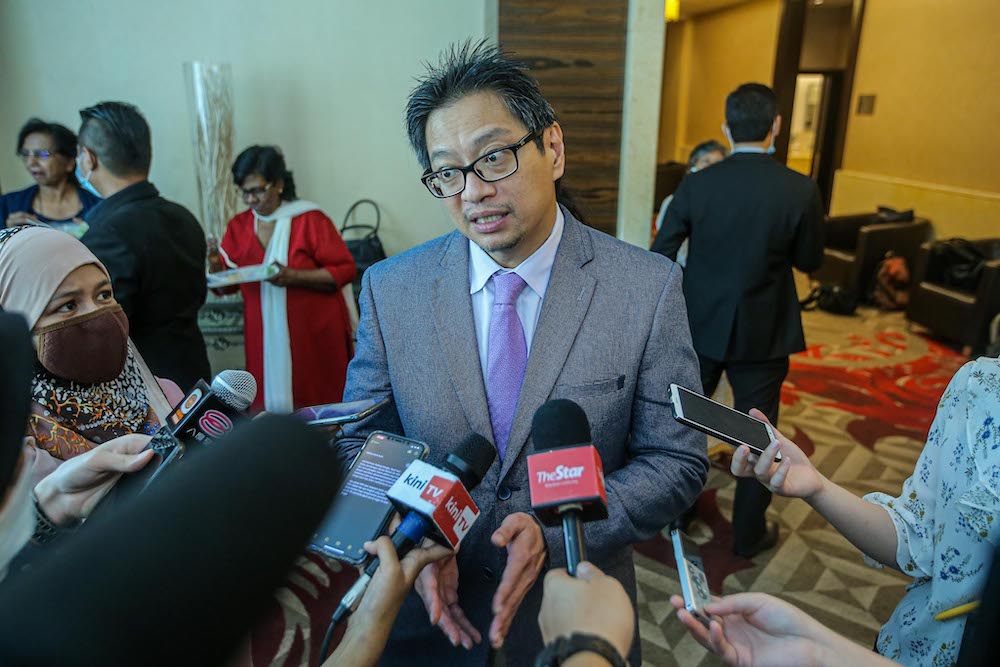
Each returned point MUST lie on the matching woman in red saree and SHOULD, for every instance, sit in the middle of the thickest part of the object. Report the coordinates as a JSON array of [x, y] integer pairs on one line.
[[297, 327]]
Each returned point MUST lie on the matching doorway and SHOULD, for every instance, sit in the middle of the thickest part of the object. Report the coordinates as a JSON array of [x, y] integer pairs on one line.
[[813, 127]]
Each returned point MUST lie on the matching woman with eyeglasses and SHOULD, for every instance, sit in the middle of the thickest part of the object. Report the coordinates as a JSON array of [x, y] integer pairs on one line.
[[296, 323], [56, 199]]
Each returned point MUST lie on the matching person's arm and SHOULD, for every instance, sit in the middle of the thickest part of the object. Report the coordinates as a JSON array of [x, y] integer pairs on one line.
[[759, 630], [71, 492], [314, 279], [331, 252], [676, 224], [866, 525], [592, 603], [336, 265], [369, 626], [219, 260], [809, 234], [115, 251], [667, 463], [368, 374]]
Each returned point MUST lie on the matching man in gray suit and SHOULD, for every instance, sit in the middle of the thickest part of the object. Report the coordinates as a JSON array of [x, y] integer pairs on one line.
[[473, 331]]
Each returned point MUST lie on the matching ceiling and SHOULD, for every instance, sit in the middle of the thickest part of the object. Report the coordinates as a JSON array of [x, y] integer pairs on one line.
[[691, 8]]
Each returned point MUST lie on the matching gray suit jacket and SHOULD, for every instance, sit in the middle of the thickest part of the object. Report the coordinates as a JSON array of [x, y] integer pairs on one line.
[[612, 335]]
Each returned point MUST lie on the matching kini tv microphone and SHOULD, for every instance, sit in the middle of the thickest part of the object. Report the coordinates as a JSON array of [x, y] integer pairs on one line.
[[566, 475], [435, 503]]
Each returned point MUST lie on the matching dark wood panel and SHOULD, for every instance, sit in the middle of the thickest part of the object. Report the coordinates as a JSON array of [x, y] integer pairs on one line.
[[576, 50]]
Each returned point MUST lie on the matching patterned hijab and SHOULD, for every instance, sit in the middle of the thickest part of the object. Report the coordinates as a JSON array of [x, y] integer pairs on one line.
[[69, 417]]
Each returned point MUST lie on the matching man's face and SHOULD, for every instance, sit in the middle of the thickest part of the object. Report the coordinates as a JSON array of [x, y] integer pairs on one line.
[[512, 217]]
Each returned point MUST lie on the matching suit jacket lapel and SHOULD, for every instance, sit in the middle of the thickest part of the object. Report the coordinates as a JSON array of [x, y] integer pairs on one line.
[[452, 308], [567, 299]]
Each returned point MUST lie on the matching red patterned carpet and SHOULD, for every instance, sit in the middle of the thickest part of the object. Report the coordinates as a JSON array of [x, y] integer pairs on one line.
[[859, 400]]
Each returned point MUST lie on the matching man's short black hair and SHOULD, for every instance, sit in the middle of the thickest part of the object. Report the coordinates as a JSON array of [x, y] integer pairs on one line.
[[119, 135], [62, 137], [750, 112], [469, 68]]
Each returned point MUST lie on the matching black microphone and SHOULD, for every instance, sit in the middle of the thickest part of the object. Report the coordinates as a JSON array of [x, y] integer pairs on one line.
[[566, 475], [16, 370], [179, 575], [205, 414], [469, 463]]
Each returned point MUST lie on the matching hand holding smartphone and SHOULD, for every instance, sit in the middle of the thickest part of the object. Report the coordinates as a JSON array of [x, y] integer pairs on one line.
[[720, 421], [362, 511], [691, 572]]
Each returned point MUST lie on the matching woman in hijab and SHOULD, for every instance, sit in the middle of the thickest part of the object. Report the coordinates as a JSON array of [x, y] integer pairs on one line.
[[90, 385]]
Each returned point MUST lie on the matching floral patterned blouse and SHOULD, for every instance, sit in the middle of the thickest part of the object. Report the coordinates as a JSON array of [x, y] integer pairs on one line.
[[947, 519]]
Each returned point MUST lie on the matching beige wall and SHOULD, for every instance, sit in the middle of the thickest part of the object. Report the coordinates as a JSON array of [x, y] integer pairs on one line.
[[324, 80], [932, 140], [724, 49]]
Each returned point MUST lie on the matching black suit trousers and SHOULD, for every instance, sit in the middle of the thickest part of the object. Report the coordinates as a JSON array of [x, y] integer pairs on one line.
[[756, 384]]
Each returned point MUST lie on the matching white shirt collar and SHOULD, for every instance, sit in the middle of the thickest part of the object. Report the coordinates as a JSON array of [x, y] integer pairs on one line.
[[535, 270]]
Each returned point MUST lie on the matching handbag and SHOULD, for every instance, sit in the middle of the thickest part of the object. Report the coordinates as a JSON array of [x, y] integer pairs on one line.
[[832, 299], [367, 249], [961, 263]]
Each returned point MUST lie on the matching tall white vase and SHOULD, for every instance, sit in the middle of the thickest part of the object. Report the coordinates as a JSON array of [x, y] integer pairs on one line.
[[210, 103]]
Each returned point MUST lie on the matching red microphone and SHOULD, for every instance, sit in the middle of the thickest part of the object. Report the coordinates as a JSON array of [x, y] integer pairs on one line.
[[566, 475]]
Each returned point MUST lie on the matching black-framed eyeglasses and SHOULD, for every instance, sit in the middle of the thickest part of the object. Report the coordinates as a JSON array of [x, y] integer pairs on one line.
[[24, 154], [255, 193], [494, 166]]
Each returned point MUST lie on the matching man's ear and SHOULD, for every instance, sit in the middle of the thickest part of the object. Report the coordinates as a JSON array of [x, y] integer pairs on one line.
[[88, 159], [554, 143], [776, 127]]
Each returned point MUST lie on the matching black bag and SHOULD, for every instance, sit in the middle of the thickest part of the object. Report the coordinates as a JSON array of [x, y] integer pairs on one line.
[[886, 214], [832, 299], [365, 250], [961, 263]]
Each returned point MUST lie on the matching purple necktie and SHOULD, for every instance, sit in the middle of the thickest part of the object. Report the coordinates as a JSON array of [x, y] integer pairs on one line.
[[508, 357]]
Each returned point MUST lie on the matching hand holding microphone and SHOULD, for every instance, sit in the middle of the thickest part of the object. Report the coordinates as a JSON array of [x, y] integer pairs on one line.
[[371, 623], [566, 475], [435, 503]]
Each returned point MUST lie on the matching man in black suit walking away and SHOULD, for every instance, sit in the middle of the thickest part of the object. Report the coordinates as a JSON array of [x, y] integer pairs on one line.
[[748, 221], [154, 249]]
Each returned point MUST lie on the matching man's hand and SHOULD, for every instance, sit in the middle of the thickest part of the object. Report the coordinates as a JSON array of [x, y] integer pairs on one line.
[[437, 586], [369, 626], [525, 544], [591, 603], [19, 218], [75, 487]]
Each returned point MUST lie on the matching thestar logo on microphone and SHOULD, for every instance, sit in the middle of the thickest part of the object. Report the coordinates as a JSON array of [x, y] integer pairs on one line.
[[568, 475], [560, 473], [437, 495]]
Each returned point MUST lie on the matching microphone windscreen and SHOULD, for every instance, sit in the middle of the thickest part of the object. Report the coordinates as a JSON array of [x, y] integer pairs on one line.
[[179, 575], [476, 454], [16, 370], [559, 423], [237, 389]]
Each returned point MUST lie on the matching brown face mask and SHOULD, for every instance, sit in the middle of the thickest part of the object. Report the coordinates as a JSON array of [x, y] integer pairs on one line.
[[89, 349]]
